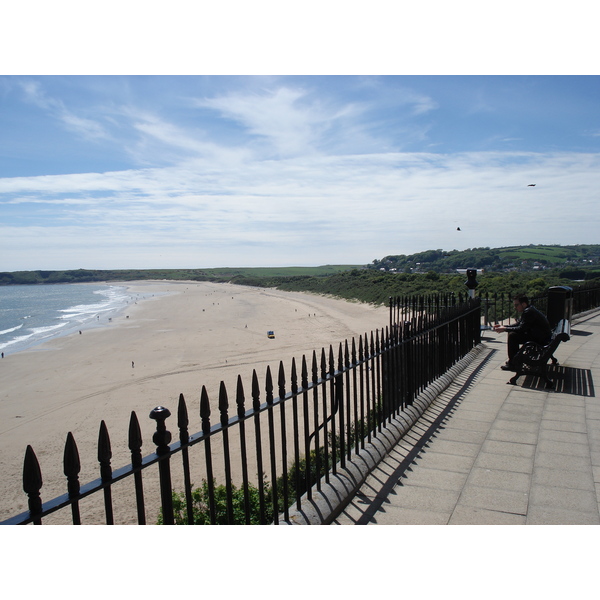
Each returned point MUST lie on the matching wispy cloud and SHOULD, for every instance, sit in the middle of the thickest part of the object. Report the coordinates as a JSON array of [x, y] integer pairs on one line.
[[287, 119], [298, 211], [85, 127]]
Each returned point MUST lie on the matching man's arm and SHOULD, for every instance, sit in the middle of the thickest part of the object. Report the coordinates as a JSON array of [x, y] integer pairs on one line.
[[509, 328]]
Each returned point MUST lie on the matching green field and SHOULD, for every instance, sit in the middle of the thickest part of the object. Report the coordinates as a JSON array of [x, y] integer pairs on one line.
[[549, 254], [279, 271]]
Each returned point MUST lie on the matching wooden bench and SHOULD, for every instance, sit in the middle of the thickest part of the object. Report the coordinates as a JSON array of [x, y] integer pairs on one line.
[[532, 358]]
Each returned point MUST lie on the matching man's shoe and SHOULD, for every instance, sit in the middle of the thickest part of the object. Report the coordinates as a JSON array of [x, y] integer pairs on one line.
[[507, 367]]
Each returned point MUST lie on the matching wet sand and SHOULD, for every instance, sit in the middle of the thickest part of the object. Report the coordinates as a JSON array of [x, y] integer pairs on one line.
[[198, 335]]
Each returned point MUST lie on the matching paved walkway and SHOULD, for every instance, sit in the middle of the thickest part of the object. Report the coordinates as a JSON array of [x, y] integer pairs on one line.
[[490, 453]]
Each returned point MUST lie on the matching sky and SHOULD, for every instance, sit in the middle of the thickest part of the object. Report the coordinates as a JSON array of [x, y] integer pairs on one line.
[[107, 170]]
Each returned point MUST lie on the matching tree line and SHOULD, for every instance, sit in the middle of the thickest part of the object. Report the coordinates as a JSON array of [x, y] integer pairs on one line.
[[370, 283]]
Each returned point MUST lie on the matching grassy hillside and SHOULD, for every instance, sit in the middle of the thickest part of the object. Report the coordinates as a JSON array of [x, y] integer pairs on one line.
[[553, 255], [250, 274], [533, 257], [377, 287]]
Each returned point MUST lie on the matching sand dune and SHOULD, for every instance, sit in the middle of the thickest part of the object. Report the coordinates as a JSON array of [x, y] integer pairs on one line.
[[198, 335]]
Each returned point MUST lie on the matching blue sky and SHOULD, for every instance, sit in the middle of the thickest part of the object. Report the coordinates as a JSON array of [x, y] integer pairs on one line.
[[203, 171]]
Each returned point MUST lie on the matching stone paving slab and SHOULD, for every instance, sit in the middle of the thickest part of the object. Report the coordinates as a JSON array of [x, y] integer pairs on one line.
[[470, 515], [504, 455]]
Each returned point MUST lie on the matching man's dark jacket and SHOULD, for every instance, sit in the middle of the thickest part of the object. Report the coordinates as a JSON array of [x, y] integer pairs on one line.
[[532, 326]]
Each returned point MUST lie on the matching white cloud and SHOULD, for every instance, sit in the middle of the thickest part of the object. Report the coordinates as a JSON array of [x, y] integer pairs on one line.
[[82, 126], [86, 128], [290, 120], [346, 209]]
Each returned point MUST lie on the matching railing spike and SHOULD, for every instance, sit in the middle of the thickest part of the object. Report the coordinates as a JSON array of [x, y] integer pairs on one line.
[[104, 453], [281, 380], [71, 468], [240, 399], [269, 386], [135, 440], [205, 410], [304, 372], [255, 392], [32, 484], [72, 465], [294, 376], [104, 456], [183, 420], [223, 404]]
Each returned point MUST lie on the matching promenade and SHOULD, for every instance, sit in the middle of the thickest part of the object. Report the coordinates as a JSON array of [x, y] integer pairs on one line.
[[487, 453]]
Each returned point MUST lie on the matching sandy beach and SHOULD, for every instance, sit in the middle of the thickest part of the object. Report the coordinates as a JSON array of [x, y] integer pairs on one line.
[[198, 334]]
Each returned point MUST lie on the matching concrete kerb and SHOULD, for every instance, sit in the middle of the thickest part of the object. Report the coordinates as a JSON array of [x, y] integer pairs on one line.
[[580, 317], [332, 499]]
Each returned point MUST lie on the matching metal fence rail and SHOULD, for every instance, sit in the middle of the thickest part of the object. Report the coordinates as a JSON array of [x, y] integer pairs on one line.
[[282, 438], [499, 307]]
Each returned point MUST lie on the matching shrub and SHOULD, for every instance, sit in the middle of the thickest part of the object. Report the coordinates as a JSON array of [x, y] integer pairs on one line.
[[201, 506]]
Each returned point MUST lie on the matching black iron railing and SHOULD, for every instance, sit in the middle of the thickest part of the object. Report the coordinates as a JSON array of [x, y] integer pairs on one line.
[[499, 307], [281, 440], [286, 436]]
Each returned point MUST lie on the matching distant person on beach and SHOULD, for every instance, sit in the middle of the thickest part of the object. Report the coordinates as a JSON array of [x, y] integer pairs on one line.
[[531, 327]]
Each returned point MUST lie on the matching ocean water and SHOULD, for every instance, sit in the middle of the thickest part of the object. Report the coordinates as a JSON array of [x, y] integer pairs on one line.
[[33, 314]]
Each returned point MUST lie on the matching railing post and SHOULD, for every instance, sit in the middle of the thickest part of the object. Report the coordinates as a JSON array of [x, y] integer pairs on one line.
[[135, 446], [284, 452], [258, 444], [315, 400], [210, 482], [269, 400], [161, 438], [104, 456], [224, 418], [32, 484], [241, 412], [184, 438]]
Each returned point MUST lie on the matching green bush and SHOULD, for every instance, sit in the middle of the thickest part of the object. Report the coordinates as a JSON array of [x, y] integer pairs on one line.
[[201, 506], [298, 482]]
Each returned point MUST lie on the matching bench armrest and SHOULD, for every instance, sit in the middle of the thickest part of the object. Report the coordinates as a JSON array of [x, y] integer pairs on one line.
[[564, 326]]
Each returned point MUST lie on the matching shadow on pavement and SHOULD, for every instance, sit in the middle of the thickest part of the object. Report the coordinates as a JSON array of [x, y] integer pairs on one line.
[[567, 380]]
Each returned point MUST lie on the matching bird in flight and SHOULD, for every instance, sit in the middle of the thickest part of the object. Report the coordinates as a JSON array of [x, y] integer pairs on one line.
[[531, 185]]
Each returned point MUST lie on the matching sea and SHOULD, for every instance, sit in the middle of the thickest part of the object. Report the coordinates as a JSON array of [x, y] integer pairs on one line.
[[33, 314]]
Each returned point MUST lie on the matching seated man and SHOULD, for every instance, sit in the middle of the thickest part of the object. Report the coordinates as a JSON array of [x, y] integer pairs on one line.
[[531, 327]]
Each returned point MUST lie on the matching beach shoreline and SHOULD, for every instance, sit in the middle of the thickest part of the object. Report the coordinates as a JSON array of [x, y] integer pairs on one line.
[[187, 336], [64, 322]]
